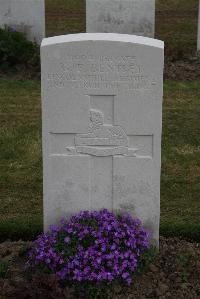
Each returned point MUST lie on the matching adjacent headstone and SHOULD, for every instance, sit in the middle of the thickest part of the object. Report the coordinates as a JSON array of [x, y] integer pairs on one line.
[[198, 37], [26, 16], [121, 16], [102, 118]]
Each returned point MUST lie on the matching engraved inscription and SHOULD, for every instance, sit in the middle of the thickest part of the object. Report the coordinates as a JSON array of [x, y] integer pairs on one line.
[[91, 72]]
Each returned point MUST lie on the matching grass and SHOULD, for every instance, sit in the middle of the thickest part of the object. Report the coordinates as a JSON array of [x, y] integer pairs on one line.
[[181, 136], [20, 152], [176, 22], [21, 161], [65, 16], [180, 186]]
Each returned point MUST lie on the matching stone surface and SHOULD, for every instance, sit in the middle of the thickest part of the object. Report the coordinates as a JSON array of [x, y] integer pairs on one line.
[[27, 16], [102, 117], [198, 34], [121, 16]]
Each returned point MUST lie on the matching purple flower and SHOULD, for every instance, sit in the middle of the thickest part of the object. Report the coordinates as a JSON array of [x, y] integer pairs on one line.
[[67, 239], [95, 246], [125, 275], [13, 29]]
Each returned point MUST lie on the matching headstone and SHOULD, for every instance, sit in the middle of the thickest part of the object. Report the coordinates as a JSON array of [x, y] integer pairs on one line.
[[102, 118], [27, 16], [198, 37], [121, 16]]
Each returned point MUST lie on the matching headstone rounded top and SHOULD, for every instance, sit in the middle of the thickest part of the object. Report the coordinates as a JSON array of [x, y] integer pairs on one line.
[[103, 37]]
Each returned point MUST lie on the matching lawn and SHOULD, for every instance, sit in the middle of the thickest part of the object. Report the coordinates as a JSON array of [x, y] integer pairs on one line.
[[176, 24], [20, 156], [21, 159], [180, 188], [65, 16]]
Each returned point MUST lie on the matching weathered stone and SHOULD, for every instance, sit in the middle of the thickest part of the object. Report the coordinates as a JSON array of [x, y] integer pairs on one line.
[[121, 16], [27, 16], [102, 116]]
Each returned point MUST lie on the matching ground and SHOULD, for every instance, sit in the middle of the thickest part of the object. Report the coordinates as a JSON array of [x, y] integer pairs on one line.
[[174, 274]]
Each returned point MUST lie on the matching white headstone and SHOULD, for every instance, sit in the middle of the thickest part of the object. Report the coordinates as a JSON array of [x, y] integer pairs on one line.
[[102, 118], [121, 16], [26, 16], [198, 37]]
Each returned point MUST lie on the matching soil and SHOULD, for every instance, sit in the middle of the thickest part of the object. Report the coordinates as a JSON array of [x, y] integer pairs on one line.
[[183, 70], [174, 273]]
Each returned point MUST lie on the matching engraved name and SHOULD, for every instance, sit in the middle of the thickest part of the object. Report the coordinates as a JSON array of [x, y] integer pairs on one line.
[[89, 72]]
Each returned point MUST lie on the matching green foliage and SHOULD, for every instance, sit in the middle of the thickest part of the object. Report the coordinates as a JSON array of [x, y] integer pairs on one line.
[[16, 52], [184, 260], [94, 291], [4, 267], [146, 259], [20, 228]]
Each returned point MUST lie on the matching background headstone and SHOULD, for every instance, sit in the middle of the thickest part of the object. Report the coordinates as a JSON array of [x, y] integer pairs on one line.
[[121, 16], [102, 118], [26, 16]]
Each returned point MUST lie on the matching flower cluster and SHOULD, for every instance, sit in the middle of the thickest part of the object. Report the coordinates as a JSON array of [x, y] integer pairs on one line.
[[93, 246]]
